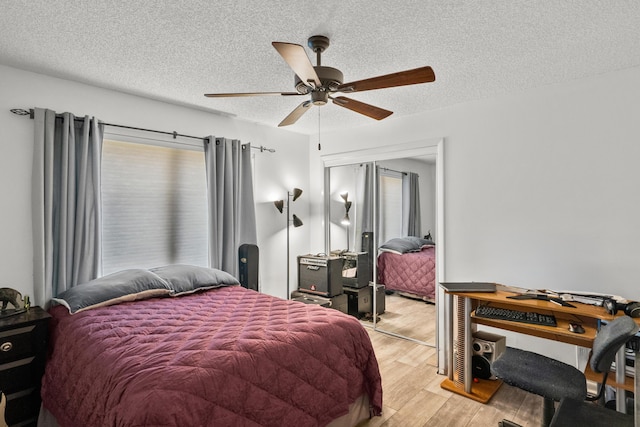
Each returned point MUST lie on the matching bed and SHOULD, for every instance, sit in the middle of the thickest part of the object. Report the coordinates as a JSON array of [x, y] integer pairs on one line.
[[186, 352], [407, 265]]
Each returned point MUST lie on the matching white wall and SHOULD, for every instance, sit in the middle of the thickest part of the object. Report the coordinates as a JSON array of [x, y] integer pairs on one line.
[[541, 187], [275, 172]]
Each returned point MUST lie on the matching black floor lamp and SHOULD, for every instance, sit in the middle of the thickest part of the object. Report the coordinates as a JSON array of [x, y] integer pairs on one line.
[[291, 219]]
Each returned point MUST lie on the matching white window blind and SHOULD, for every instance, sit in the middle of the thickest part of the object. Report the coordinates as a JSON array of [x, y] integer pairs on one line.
[[390, 206], [154, 206]]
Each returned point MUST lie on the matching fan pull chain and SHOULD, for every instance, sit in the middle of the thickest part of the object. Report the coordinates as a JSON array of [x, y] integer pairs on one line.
[[319, 146]]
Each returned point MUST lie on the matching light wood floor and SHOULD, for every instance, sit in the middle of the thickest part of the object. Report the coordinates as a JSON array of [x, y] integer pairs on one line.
[[410, 317], [412, 395]]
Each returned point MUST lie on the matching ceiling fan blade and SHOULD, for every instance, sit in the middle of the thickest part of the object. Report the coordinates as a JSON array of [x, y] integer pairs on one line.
[[233, 95], [402, 78], [296, 114], [362, 108], [297, 58]]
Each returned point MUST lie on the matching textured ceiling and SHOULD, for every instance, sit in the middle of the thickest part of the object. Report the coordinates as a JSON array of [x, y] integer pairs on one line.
[[178, 50]]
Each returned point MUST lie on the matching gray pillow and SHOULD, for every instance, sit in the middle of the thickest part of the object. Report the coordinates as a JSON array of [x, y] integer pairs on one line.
[[420, 241], [183, 279], [400, 245], [126, 285]]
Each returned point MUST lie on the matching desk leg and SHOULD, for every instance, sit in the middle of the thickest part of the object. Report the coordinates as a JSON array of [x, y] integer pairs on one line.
[[621, 394], [464, 376], [466, 338], [460, 378], [636, 389], [449, 335]]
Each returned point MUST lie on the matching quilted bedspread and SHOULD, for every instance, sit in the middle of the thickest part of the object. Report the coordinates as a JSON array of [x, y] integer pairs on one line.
[[412, 272], [224, 357]]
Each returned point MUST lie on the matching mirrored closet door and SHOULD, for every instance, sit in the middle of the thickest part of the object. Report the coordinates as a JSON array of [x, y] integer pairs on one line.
[[380, 217]]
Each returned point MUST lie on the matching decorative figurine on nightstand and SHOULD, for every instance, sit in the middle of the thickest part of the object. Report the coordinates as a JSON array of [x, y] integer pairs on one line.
[[10, 296]]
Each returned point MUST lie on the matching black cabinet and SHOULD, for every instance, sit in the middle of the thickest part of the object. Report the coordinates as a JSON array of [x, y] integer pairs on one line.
[[360, 301], [23, 345]]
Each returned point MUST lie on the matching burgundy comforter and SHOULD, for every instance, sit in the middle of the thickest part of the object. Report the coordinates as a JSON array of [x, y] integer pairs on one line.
[[412, 272], [224, 357]]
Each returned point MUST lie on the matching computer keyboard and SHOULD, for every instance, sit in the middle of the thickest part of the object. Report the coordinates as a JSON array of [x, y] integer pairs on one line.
[[498, 313]]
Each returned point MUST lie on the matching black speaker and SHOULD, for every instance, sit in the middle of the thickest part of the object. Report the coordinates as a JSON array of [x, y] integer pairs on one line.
[[360, 301], [486, 348], [367, 246], [248, 259], [320, 275]]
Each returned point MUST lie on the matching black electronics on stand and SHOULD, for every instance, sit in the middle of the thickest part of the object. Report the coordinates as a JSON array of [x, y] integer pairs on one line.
[[248, 266], [357, 283], [356, 269], [360, 301], [357, 278]]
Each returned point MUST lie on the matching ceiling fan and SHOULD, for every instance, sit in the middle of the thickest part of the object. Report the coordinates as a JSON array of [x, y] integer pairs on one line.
[[321, 82]]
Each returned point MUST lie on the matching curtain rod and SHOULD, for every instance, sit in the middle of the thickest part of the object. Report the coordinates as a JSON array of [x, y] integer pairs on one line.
[[31, 113], [392, 170]]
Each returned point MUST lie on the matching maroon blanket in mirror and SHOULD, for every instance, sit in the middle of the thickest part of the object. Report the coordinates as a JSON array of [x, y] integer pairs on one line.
[[412, 272], [228, 356]]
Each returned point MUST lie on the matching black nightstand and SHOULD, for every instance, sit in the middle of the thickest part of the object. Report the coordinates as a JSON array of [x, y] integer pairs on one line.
[[23, 349]]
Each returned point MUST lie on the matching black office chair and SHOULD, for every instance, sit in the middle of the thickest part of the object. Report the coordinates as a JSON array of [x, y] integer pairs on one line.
[[571, 413], [554, 380]]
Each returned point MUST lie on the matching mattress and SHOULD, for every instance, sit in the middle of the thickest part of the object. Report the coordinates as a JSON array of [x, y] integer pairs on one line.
[[227, 356]]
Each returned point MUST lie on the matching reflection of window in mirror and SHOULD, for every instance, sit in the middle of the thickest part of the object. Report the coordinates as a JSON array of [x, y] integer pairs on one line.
[[390, 205]]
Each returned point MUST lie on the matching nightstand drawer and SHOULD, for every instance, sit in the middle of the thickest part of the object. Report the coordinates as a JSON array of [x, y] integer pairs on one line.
[[19, 374], [17, 343], [23, 407]]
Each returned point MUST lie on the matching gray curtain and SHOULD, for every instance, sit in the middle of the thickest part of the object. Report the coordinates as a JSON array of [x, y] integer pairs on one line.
[[232, 216], [411, 205], [65, 202]]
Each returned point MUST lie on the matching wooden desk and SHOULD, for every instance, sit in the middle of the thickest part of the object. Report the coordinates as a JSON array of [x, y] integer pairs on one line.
[[589, 316]]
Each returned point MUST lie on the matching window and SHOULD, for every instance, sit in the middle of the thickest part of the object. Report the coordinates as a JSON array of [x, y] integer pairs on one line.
[[154, 206], [390, 205]]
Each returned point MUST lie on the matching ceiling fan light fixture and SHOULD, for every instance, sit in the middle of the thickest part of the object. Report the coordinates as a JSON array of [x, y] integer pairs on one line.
[[330, 79], [319, 97]]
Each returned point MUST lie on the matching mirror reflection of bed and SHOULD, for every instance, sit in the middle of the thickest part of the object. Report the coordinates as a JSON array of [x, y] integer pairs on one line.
[[405, 214], [406, 268]]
